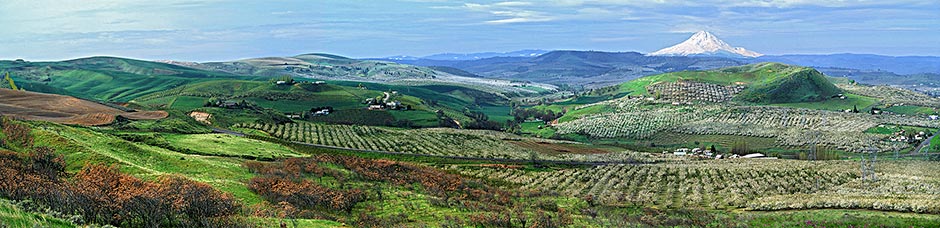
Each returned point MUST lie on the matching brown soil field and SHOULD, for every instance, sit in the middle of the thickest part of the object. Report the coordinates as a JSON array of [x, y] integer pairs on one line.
[[558, 148], [64, 109]]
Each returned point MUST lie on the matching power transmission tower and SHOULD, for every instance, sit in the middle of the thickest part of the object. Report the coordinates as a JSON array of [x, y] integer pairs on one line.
[[868, 164]]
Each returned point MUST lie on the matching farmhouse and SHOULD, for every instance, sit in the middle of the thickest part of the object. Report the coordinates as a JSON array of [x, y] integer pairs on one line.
[[393, 104], [229, 104], [754, 155], [681, 152], [934, 117]]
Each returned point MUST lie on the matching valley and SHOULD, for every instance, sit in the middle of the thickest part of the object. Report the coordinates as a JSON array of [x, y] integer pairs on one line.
[[286, 147]]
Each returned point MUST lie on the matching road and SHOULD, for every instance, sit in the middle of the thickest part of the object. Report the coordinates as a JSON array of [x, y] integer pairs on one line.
[[925, 143]]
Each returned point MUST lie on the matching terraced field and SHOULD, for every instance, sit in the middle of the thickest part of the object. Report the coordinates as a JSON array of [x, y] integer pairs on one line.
[[437, 141], [789, 126], [745, 184]]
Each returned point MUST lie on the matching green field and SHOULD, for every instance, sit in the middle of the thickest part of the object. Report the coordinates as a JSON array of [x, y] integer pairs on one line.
[[578, 113], [188, 102], [935, 144], [81, 146], [13, 216], [532, 128], [106, 78], [227, 145], [913, 110], [863, 103], [342, 96]]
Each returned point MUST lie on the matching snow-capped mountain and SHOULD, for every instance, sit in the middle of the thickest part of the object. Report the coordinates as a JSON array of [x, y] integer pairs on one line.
[[703, 43]]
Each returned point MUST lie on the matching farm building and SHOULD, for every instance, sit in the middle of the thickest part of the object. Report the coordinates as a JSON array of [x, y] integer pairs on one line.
[[681, 152]]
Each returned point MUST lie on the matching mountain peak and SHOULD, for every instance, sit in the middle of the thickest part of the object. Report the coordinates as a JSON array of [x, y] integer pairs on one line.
[[707, 44]]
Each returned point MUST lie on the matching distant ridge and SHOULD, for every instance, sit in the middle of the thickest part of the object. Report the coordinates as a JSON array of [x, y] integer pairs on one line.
[[470, 56], [703, 43]]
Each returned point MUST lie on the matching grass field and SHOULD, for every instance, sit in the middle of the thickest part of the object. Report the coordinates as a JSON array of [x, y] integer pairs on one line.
[[839, 218], [81, 146], [13, 216], [935, 144], [835, 104], [578, 113], [532, 128], [228, 145], [913, 110], [187, 103], [499, 114]]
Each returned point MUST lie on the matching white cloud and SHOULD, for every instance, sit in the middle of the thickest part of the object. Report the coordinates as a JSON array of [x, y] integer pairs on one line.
[[733, 3], [509, 12]]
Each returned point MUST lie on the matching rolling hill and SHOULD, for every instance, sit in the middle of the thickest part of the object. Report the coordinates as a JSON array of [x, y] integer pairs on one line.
[[65, 109], [764, 82], [105, 78], [333, 67], [345, 97]]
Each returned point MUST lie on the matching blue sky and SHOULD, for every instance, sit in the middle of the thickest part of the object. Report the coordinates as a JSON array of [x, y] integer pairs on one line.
[[215, 30]]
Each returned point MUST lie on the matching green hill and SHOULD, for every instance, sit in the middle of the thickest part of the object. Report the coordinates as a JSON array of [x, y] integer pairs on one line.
[[345, 97], [764, 83], [104, 78], [333, 67]]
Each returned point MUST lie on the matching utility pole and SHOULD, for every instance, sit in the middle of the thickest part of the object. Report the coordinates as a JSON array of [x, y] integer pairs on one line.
[[896, 153]]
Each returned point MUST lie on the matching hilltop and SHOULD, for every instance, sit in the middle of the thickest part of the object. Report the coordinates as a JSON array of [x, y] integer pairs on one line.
[[105, 78], [334, 67], [761, 82]]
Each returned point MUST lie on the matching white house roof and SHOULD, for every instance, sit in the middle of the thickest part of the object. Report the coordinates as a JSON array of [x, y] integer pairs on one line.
[[754, 155]]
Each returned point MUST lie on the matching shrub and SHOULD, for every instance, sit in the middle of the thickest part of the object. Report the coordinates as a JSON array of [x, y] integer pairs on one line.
[[16, 134], [103, 195]]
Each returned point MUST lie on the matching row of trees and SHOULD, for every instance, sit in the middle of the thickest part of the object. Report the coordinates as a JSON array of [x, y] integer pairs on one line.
[[467, 143], [717, 184]]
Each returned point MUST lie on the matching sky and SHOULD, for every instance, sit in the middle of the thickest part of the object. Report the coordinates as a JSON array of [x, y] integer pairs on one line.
[[220, 30]]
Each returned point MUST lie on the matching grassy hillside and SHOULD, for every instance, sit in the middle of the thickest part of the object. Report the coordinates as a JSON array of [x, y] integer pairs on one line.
[[333, 67], [104, 78], [765, 82], [12, 215], [346, 97]]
